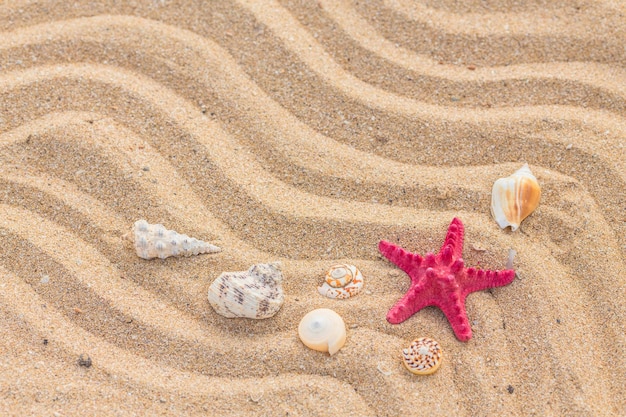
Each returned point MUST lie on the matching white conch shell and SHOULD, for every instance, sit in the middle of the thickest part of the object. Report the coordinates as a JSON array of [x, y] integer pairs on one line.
[[513, 198], [155, 241], [342, 281], [323, 330], [256, 293]]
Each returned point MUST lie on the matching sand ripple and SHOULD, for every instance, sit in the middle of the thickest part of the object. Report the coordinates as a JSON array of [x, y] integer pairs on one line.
[[305, 132]]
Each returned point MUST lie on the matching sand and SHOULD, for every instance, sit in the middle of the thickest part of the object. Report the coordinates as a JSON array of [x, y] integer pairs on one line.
[[305, 132]]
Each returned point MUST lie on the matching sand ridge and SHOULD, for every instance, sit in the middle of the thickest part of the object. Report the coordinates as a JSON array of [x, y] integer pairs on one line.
[[305, 132]]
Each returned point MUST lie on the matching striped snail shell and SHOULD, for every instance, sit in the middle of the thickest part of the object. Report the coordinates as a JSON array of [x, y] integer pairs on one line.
[[342, 281], [423, 356], [323, 330]]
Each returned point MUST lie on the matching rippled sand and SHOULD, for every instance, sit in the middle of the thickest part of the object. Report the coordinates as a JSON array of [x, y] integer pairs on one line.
[[305, 132]]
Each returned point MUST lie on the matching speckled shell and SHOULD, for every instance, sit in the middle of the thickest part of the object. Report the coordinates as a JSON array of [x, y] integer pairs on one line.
[[155, 241], [342, 281], [423, 356], [323, 330], [513, 198], [256, 293]]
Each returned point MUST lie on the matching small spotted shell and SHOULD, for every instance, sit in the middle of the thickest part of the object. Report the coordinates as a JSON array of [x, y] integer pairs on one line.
[[323, 330], [155, 241], [342, 281], [423, 356]]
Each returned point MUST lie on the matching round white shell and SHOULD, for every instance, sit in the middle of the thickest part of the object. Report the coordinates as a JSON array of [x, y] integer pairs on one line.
[[513, 198], [342, 281], [256, 293], [155, 241], [323, 330]]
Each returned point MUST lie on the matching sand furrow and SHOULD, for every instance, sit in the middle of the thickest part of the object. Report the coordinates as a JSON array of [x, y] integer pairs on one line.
[[246, 170], [305, 133], [119, 364], [360, 30], [248, 93], [540, 21], [479, 47], [304, 45], [229, 81], [532, 81], [95, 272], [232, 159], [176, 196], [262, 193]]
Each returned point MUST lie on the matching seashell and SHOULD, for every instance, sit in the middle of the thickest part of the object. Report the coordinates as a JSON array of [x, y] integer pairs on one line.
[[513, 198], [256, 293], [423, 356], [155, 241], [342, 281], [323, 330], [509, 262]]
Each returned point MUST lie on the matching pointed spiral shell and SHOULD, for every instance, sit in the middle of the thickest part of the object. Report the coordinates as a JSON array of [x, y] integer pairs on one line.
[[323, 330], [342, 281], [513, 198], [155, 241], [423, 356]]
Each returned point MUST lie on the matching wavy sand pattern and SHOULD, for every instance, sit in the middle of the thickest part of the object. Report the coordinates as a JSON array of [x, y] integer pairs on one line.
[[304, 132]]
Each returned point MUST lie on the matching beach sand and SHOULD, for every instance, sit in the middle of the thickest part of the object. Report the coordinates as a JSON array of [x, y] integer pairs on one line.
[[305, 132]]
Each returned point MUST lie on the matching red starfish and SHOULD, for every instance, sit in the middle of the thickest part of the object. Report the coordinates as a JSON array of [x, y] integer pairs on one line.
[[441, 280]]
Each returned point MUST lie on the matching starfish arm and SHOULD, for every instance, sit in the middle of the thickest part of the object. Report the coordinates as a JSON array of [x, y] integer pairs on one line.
[[412, 302], [480, 279], [452, 247], [454, 310], [405, 260]]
